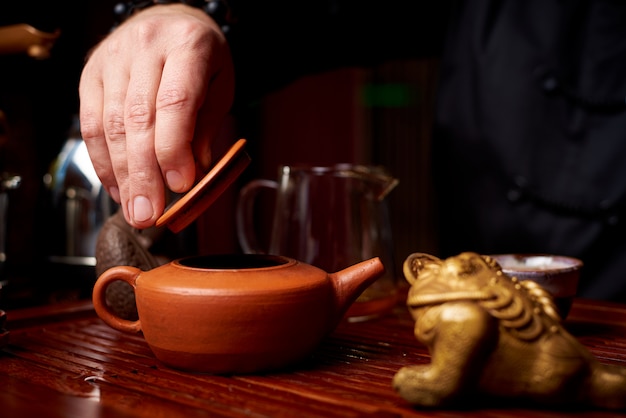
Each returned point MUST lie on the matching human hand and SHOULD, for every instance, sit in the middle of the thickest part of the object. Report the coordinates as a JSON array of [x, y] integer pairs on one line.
[[153, 95]]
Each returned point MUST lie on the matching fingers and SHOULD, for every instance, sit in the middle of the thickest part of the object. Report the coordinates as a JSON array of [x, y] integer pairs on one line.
[[220, 93], [142, 191], [178, 100], [142, 91], [91, 92]]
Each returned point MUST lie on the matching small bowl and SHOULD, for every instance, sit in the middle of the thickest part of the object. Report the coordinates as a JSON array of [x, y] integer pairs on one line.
[[557, 274]]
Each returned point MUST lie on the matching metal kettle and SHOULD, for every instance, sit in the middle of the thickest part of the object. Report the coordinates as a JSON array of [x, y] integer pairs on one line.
[[79, 205]]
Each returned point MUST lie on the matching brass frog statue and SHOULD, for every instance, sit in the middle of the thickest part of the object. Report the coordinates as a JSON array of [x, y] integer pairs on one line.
[[492, 336]]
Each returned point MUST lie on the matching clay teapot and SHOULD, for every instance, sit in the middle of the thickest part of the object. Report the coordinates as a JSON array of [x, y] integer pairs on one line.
[[236, 313]]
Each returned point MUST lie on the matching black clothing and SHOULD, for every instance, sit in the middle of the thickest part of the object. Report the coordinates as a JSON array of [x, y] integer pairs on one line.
[[530, 148], [530, 135]]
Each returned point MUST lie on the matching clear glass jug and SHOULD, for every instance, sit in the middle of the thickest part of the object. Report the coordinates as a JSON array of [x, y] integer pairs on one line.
[[330, 217]]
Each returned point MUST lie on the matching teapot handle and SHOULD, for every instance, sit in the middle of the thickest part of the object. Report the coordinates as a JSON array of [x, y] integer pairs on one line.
[[246, 231], [127, 274]]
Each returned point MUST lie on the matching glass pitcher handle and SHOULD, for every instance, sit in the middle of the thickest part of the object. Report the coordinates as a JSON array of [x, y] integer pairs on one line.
[[245, 215]]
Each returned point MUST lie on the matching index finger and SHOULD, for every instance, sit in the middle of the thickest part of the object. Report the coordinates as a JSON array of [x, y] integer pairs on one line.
[[91, 113]]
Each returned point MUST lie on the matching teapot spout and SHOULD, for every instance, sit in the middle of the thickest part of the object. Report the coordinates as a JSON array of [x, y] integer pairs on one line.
[[350, 282]]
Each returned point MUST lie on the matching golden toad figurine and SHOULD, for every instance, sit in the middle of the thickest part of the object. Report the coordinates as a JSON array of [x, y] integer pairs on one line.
[[490, 335]]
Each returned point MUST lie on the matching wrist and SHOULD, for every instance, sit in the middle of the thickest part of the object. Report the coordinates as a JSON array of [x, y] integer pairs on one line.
[[218, 10]]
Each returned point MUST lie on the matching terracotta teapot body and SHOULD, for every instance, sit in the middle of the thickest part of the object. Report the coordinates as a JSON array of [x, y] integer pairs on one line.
[[235, 313]]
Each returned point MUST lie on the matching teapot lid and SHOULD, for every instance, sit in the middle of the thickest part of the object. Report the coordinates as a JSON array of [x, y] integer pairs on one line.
[[185, 210]]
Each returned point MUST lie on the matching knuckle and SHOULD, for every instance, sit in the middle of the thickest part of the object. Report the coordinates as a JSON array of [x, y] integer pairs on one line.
[[139, 114], [146, 33], [172, 98], [168, 154], [115, 128], [142, 177], [90, 129], [139, 176]]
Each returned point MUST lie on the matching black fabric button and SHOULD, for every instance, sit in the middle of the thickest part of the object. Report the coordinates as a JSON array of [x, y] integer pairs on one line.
[[550, 84], [514, 195]]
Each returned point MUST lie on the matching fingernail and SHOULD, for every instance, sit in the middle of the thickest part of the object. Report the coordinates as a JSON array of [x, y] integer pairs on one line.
[[142, 209], [175, 181]]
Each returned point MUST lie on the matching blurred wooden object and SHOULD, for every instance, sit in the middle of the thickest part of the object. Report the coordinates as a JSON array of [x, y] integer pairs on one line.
[[22, 38]]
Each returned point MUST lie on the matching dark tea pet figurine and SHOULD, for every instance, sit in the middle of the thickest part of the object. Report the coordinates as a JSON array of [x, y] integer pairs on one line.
[[491, 335]]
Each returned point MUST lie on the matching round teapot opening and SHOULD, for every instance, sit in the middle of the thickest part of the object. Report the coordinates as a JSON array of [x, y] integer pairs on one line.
[[233, 261]]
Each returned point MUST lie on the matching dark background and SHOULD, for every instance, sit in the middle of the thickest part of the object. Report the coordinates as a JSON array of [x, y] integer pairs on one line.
[[322, 99]]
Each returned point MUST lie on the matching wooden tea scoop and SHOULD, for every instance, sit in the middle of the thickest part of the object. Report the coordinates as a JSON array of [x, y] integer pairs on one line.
[[185, 210]]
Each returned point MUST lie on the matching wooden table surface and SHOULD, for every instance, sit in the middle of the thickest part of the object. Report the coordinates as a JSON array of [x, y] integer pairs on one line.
[[63, 361]]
